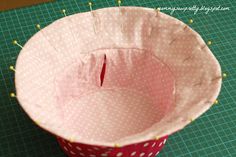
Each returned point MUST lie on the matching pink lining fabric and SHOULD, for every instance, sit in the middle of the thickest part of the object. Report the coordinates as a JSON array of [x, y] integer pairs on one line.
[[159, 75], [137, 92]]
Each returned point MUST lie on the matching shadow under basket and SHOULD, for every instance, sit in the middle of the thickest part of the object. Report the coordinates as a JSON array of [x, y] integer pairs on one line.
[[116, 87]]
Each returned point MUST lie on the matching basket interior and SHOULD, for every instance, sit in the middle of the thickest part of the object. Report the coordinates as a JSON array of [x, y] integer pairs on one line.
[[119, 75], [133, 91]]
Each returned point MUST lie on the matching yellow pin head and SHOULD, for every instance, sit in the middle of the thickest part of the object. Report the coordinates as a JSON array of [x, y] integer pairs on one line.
[[224, 75], [158, 9], [119, 2], [190, 21], [90, 3], [157, 137], [117, 145], [72, 140], [12, 95], [209, 42], [216, 102], [11, 67], [14, 42], [36, 122], [63, 10], [38, 26]]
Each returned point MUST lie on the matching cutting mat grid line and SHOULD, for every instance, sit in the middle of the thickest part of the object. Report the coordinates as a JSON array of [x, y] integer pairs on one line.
[[211, 135]]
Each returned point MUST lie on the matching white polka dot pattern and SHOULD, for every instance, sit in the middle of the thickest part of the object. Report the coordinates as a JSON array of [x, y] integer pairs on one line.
[[119, 154], [135, 150], [77, 147], [133, 154], [153, 145]]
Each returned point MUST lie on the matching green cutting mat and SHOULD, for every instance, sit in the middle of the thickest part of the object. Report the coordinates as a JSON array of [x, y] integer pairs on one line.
[[211, 135]]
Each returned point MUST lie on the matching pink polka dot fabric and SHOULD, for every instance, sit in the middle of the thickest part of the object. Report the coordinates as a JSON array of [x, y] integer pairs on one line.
[[116, 76]]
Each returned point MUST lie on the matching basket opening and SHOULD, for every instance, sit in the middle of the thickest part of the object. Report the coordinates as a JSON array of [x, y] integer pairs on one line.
[[65, 84], [102, 75], [136, 93]]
